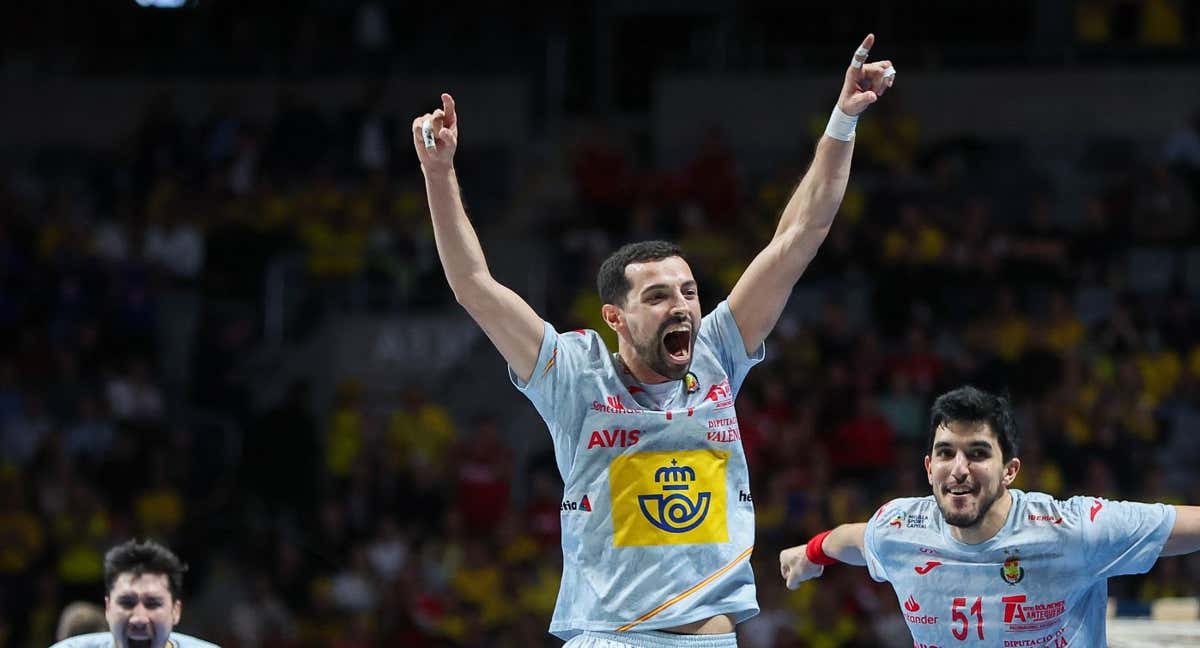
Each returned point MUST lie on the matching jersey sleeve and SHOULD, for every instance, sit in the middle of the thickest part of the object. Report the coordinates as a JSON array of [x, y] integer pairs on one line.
[[872, 552], [720, 332], [1122, 538], [562, 362]]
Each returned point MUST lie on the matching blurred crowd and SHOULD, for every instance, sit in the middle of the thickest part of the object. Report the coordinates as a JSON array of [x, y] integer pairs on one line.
[[631, 43], [131, 292]]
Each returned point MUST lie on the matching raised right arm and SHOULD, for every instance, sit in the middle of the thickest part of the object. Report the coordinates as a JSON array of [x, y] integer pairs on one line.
[[509, 322]]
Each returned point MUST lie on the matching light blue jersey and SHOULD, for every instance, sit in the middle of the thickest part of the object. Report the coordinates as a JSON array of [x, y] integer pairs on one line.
[[1040, 581], [105, 640], [657, 518]]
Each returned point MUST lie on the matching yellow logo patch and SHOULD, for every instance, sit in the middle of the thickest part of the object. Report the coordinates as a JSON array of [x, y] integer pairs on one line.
[[661, 498]]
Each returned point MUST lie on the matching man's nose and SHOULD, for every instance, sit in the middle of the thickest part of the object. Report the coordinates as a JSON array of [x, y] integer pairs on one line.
[[678, 303], [959, 468]]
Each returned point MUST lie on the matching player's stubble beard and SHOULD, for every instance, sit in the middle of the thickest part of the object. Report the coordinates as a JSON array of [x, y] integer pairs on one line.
[[653, 351], [966, 520]]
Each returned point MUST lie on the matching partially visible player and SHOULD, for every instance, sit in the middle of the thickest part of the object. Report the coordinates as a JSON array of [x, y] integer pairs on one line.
[[979, 561], [144, 583], [80, 617]]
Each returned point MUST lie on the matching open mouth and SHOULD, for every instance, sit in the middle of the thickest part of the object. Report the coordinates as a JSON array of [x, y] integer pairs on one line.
[[678, 344], [139, 643], [960, 492]]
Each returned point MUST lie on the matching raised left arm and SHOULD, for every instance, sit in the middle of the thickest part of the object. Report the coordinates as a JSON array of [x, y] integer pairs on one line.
[[758, 298], [1185, 537]]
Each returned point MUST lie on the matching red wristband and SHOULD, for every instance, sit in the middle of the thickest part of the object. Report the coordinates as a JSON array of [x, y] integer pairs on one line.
[[815, 554]]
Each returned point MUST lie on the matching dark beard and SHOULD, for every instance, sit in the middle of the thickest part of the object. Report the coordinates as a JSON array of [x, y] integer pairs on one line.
[[966, 521], [654, 353]]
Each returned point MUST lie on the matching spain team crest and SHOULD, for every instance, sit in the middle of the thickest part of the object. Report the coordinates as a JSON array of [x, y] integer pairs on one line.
[[1012, 572]]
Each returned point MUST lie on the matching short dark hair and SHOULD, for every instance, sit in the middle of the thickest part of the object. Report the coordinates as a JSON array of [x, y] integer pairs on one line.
[[970, 405], [146, 557], [611, 281]]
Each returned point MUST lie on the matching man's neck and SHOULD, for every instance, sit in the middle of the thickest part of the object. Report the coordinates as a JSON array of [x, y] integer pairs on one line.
[[639, 369], [989, 526]]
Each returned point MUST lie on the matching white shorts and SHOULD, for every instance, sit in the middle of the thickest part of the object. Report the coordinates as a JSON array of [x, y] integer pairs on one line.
[[650, 639]]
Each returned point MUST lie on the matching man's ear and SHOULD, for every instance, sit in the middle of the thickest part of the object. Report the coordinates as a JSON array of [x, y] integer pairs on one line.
[[176, 612], [613, 316], [1010, 471], [928, 474]]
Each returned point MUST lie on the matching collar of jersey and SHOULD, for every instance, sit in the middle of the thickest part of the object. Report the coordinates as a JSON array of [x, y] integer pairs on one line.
[[991, 542]]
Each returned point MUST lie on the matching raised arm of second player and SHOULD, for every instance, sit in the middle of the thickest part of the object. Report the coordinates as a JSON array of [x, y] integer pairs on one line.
[[758, 298], [507, 319], [845, 543]]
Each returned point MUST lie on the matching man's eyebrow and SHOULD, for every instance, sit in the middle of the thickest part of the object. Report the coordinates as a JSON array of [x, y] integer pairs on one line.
[[690, 283], [972, 445]]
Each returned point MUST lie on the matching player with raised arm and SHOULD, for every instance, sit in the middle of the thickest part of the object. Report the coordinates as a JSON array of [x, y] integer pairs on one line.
[[658, 536], [981, 562]]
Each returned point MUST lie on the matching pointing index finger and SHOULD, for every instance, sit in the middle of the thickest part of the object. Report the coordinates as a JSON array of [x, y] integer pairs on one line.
[[860, 55], [448, 109]]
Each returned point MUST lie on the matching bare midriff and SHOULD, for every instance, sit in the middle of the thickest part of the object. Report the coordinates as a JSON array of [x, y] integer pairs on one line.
[[720, 624]]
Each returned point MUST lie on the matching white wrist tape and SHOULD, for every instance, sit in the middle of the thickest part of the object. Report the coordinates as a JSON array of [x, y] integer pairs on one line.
[[841, 125]]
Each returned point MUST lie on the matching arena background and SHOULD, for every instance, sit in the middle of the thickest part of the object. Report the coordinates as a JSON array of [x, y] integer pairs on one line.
[[223, 323]]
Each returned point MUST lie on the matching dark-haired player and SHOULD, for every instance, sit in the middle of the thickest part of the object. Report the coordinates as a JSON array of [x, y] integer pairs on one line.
[[657, 521], [144, 585], [980, 562]]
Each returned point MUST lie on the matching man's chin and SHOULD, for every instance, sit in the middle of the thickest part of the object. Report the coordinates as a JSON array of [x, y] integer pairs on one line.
[[961, 519]]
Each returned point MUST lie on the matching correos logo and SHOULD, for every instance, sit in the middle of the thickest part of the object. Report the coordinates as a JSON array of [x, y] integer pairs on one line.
[[669, 497], [674, 510]]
